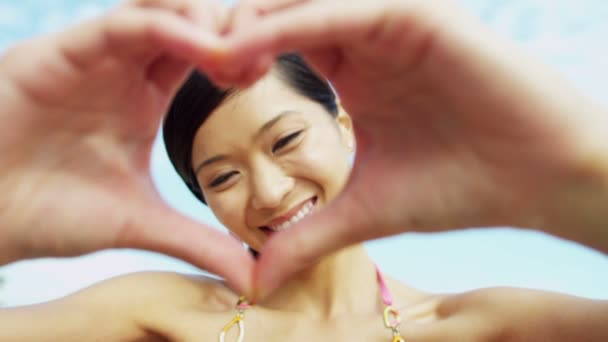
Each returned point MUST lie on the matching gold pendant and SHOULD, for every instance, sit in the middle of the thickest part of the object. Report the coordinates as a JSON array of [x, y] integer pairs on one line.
[[238, 320], [392, 319], [391, 316]]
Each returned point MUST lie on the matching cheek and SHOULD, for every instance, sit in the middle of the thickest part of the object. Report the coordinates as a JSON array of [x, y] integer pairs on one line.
[[324, 162], [229, 208]]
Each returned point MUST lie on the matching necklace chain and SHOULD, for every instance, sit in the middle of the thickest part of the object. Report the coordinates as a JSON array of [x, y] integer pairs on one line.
[[238, 320], [391, 316]]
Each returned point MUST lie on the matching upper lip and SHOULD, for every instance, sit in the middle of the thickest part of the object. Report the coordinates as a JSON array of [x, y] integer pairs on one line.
[[288, 215]]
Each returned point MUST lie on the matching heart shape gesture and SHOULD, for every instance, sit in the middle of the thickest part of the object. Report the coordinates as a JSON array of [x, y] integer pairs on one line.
[[455, 128]]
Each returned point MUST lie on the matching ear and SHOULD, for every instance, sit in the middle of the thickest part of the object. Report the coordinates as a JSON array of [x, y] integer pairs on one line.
[[345, 124]]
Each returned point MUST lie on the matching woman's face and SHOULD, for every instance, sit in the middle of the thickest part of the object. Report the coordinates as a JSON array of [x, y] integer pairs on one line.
[[268, 156]]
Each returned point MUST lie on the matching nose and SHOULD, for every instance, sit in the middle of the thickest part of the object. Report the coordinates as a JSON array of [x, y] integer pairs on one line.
[[270, 185]]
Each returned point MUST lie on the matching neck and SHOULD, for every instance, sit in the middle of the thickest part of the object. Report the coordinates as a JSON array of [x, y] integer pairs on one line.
[[342, 282]]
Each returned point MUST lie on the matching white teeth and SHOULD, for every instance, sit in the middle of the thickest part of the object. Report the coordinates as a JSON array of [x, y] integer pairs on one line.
[[306, 209]]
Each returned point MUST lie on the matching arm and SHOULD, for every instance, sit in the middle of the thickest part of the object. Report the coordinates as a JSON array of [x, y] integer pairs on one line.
[[588, 322], [135, 307], [63, 320], [580, 211], [508, 315], [74, 318]]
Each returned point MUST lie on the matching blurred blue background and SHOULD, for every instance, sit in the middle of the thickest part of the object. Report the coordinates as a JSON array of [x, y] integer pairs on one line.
[[569, 35]]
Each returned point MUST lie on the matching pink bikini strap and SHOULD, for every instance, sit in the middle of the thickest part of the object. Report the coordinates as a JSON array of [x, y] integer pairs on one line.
[[243, 304], [386, 294]]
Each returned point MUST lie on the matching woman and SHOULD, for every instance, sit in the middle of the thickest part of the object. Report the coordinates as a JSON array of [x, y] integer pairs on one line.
[[261, 158], [264, 158]]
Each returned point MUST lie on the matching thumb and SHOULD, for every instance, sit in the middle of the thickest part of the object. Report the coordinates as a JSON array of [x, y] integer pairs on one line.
[[337, 225], [161, 229]]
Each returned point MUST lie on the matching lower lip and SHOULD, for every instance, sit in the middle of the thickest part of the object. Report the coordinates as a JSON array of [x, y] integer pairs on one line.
[[268, 232]]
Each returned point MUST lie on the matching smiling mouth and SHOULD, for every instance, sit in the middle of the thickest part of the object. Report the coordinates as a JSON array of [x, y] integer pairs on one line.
[[306, 209]]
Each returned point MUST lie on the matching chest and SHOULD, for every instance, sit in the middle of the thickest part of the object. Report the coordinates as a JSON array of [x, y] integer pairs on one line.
[[269, 328]]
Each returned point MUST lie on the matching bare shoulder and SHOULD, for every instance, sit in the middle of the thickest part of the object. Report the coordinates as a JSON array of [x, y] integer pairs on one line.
[[133, 307], [166, 289]]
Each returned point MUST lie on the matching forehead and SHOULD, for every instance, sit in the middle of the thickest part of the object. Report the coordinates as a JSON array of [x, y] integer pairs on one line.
[[241, 115]]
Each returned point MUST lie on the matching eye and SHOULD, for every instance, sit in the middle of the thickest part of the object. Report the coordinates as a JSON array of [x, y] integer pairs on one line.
[[221, 179], [285, 141]]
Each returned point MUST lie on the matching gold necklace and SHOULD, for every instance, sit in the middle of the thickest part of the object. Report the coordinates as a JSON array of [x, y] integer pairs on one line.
[[390, 316], [238, 320]]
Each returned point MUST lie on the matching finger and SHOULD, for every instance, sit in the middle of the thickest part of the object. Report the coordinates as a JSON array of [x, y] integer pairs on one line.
[[244, 17], [207, 13], [303, 25], [316, 28], [324, 60], [265, 7], [161, 229], [168, 73], [242, 74], [247, 11], [256, 71], [139, 36], [210, 15]]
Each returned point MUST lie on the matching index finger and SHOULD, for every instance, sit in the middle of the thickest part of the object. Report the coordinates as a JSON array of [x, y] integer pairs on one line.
[[302, 25], [247, 11], [161, 229], [139, 35]]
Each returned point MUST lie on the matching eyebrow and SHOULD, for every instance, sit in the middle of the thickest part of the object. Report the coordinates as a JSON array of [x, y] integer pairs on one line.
[[267, 126], [209, 161]]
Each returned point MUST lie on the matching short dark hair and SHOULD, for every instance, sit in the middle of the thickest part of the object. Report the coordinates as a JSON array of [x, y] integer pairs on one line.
[[198, 98]]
